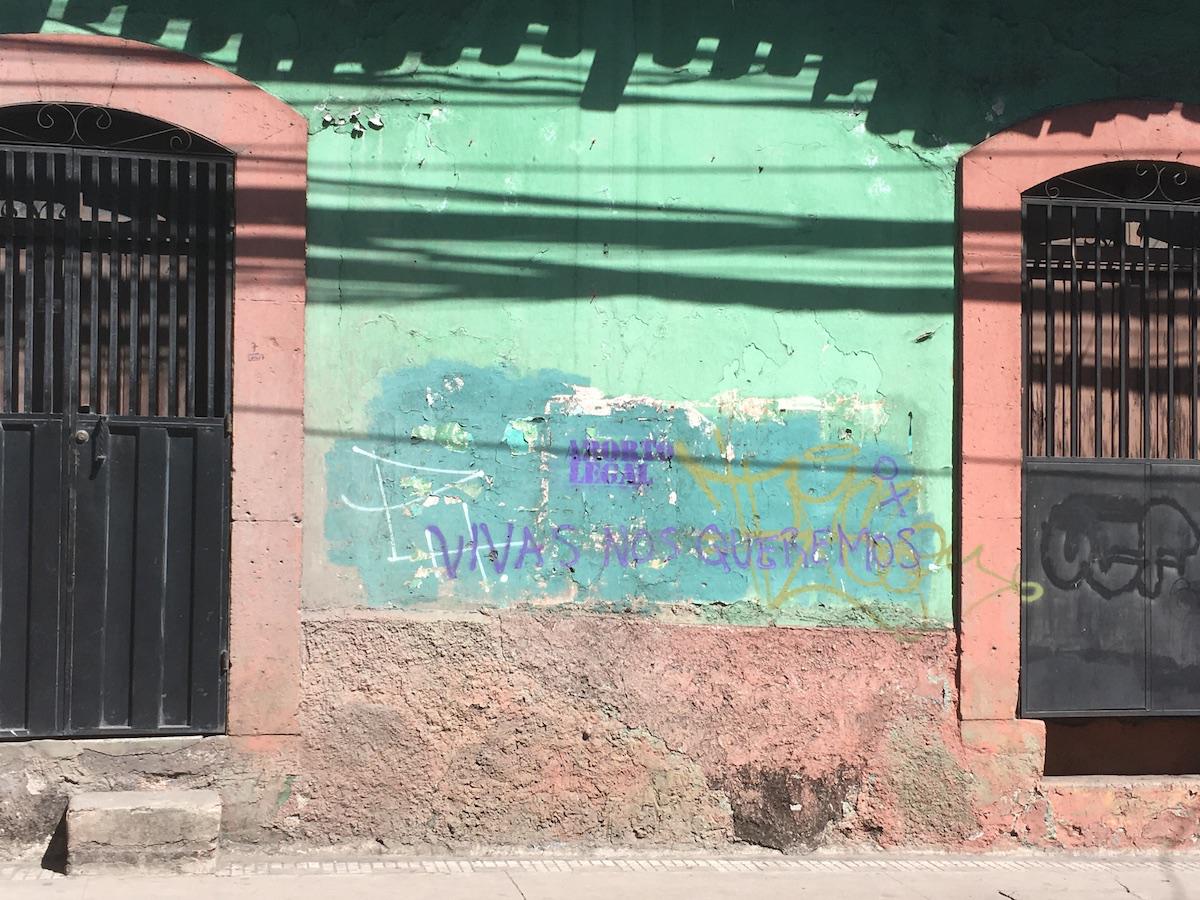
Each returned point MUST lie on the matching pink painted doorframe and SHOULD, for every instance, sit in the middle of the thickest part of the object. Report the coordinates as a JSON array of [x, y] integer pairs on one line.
[[992, 177], [269, 140]]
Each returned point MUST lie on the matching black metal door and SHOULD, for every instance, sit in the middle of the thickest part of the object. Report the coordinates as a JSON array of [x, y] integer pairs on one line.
[[115, 287], [1111, 479]]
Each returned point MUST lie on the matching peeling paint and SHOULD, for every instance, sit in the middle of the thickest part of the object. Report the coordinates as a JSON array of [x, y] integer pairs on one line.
[[738, 507]]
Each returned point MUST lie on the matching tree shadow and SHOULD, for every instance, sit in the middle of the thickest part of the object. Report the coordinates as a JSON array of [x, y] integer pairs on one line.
[[950, 72]]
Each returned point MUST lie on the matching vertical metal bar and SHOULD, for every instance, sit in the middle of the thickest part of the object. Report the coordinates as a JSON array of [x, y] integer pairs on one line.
[[1192, 332], [192, 209], [1123, 343], [94, 400], [30, 253], [114, 280], [228, 242], [152, 374], [1170, 334], [1076, 336], [1098, 323], [70, 349], [48, 265], [1146, 432], [10, 284], [137, 207], [30, 287], [210, 304], [1026, 330], [172, 291], [70, 372], [1049, 286]]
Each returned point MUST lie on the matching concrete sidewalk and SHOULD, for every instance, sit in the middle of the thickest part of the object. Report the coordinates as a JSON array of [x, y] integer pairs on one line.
[[655, 878]]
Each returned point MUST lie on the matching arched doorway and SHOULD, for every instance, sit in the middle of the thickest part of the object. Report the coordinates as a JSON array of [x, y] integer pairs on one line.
[[996, 179], [268, 142], [1111, 468], [116, 287]]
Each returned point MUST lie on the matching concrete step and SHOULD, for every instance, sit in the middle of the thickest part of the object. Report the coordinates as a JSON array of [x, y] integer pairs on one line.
[[152, 831]]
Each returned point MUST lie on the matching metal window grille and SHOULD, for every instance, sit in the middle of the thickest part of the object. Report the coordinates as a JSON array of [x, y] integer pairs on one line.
[[115, 268], [1110, 257]]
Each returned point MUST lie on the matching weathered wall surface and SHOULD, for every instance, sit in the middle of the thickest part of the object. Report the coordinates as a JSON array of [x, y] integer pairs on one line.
[[604, 729], [630, 332], [518, 729], [744, 512]]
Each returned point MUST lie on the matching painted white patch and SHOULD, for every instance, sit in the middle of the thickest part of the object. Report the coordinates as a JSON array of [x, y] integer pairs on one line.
[[872, 159], [431, 500], [549, 134], [879, 187], [504, 577], [801, 403], [591, 401], [672, 498], [732, 403]]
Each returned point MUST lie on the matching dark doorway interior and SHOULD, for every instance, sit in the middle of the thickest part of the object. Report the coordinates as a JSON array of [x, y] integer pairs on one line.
[[1116, 746]]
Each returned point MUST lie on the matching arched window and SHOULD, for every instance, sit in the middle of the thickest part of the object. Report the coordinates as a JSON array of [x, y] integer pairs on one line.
[[1110, 262]]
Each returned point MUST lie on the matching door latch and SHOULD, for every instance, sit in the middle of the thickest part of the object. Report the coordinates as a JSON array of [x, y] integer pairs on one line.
[[100, 445]]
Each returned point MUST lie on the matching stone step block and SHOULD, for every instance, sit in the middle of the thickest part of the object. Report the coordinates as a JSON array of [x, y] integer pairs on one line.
[[152, 831]]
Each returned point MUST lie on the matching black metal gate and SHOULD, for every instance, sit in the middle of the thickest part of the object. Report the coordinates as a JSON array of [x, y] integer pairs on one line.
[[1111, 506], [115, 391]]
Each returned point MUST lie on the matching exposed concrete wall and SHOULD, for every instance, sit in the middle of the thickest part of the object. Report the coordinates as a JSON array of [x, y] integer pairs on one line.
[[511, 728]]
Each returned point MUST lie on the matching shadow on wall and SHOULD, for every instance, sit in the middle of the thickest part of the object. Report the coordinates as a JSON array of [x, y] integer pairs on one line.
[[949, 71], [936, 70]]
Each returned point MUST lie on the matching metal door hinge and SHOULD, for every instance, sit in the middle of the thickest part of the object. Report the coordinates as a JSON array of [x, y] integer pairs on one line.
[[228, 424]]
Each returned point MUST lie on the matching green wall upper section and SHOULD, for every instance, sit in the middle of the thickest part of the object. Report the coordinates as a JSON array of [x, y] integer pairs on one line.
[[742, 209]]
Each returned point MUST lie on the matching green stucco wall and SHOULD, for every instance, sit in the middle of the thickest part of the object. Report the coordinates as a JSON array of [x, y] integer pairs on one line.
[[642, 305]]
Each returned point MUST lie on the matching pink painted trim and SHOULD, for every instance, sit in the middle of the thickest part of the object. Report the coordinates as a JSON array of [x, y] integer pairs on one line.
[[269, 139], [994, 174]]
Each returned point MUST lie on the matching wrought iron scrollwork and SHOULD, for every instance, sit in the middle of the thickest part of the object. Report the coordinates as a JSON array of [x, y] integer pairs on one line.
[[100, 128], [1136, 181]]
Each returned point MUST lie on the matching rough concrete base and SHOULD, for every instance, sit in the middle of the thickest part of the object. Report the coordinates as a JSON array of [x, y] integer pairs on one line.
[[150, 831], [519, 729]]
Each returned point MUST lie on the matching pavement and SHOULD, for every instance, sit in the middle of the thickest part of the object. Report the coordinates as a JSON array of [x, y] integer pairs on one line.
[[1015, 877]]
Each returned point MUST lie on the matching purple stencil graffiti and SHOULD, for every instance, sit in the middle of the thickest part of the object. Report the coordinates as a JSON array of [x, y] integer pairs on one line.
[[617, 463]]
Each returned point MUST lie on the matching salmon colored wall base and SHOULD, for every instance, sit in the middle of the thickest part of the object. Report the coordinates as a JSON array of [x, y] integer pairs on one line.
[[269, 140]]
